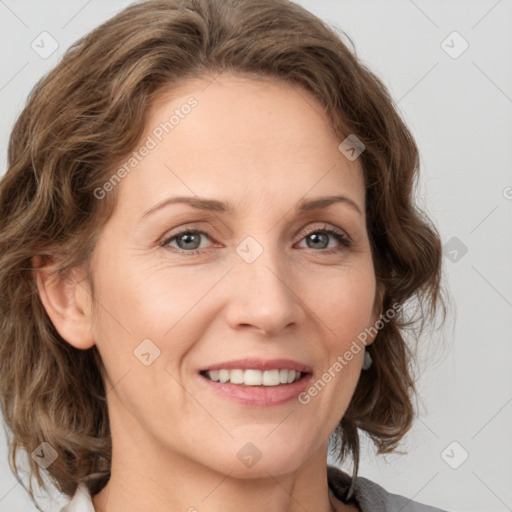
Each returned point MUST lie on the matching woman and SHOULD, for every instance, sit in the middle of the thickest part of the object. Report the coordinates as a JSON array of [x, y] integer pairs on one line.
[[143, 374]]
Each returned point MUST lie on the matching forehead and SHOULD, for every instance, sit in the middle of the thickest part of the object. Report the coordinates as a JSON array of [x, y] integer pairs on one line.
[[258, 142]]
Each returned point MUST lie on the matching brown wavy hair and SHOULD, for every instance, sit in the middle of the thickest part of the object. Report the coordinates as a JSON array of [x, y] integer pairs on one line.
[[88, 113]]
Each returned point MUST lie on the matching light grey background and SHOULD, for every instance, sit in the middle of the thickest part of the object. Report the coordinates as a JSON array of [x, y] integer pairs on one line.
[[459, 108]]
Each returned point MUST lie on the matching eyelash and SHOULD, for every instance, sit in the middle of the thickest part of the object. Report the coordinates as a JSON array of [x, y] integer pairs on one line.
[[343, 239]]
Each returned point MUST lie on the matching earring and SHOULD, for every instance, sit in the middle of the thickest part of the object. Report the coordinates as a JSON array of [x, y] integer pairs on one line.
[[367, 362]]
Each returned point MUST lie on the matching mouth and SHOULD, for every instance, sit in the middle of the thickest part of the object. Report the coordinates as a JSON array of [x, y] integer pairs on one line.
[[257, 383], [254, 377]]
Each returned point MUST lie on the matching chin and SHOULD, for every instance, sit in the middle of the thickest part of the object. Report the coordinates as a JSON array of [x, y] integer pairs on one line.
[[258, 459]]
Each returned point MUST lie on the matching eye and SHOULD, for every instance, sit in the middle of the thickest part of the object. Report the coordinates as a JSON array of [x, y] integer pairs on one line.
[[319, 237], [187, 240]]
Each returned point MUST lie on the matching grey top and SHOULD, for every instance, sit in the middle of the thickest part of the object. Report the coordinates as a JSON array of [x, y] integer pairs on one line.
[[371, 497], [367, 495]]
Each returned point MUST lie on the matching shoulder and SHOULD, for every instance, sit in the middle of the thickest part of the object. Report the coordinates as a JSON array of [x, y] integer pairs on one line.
[[81, 501], [370, 496]]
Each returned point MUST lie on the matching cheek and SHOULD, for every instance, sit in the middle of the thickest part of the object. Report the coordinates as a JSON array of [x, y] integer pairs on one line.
[[174, 305], [154, 298], [151, 302], [165, 305], [348, 311], [344, 301]]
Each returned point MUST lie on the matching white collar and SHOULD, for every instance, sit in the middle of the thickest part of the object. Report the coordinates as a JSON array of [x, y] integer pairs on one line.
[[81, 501]]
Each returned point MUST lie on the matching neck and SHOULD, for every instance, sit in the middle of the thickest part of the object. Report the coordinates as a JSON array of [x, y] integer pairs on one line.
[[177, 484]]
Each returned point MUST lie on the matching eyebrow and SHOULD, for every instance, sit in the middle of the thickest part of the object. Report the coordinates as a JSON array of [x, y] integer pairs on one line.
[[213, 205]]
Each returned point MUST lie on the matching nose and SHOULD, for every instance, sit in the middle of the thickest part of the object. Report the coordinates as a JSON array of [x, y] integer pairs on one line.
[[264, 295]]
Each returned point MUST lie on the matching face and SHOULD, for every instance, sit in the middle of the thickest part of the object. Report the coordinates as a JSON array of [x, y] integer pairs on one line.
[[260, 278]]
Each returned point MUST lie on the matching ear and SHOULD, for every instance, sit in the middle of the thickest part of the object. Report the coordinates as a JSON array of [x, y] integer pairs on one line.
[[67, 302]]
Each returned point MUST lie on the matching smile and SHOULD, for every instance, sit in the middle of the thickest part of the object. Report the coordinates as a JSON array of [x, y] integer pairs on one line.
[[252, 377]]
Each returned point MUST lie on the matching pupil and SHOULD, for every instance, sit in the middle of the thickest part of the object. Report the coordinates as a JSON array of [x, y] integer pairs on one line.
[[316, 236], [187, 238]]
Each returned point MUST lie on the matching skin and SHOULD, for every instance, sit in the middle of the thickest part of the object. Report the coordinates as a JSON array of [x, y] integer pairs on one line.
[[262, 146]]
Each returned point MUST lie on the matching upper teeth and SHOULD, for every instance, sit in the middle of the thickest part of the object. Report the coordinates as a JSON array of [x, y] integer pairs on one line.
[[254, 377]]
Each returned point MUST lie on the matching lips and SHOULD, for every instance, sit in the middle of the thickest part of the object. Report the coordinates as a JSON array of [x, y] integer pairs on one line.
[[257, 382]]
